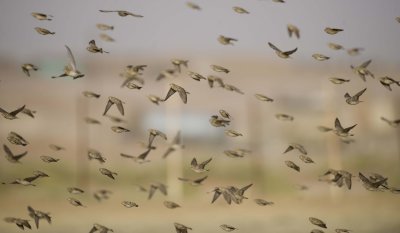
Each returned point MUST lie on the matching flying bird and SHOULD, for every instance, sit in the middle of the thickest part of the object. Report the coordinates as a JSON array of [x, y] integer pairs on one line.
[[70, 70], [199, 167], [293, 30], [94, 49], [41, 16], [11, 115], [332, 31], [44, 31], [362, 70], [113, 100], [37, 215], [226, 40], [11, 157], [281, 54], [388, 81], [353, 100], [122, 13], [175, 88], [28, 67]]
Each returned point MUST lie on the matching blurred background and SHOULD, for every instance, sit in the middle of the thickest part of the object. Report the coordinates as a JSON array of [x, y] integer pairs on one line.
[[169, 30]]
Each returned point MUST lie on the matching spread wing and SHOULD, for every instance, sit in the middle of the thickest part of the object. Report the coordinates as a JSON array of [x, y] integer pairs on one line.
[[215, 197], [163, 189], [170, 92], [18, 157], [183, 95], [8, 151], [71, 58], [203, 164], [194, 162], [290, 52], [108, 106], [126, 156], [288, 149], [338, 126], [120, 108], [169, 151], [14, 113], [360, 93], [94, 229], [365, 64], [200, 180], [273, 47], [242, 190], [144, 154]]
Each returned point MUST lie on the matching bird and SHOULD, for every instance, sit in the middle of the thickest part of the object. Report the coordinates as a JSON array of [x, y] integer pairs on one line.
[[226, 40], [11, 157], [140, 158], [281, 54], [122, 13], [56, 147], [320, 57], [196, 76], [372, 185], [180, 228], [227, 228], [332, 31], [157, 186], [194, 182], [70, 69], [129, 204], [153, 133], [236, 153], [119, 129], [133, 85], [168, 73], [353, 100], [392, 123], [175, 145], [106, 37], [175, 88], [342, 132], [263, 98], [296, 146], [341, 230], [75, 190], [340, 177], [90, 120], [108, 173], [11, 115], [29, 112], [93, 48], [28, 67], [317, 222], [335, 80], [279, 1], [199, 167], [292, 165], [21, 223], [75, 202], [293, 30], [16, 139], [387, 81], [305, 158], [354, 51], [48, 159], [41, 16], [113, 100], [240, 10], [317, 231], [262, 202], [44, 31], [237, 194], [94, 154], [224, 114], [90, 94], [212, 79], [193, 6], [23, 182], [104, 27], [232, 133], [362, 70], [178, 63], [154, 99], [335, 46], [284, 117], [100, 228], [102, 194], [217, 121], [116, 119], [37, 215], [217, 193], [171, 205], [230, 87], [220, 69]]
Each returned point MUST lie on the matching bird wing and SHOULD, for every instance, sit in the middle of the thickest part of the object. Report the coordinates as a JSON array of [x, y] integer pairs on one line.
[[360, 93], [120, 108], [363, 178], [301, 149], [297, 33], [365, 64], [288, 149], [194, 162], [31, 178], [242, 190], [163, 189], [144, 154], [108, 106], [14, 113], [94, 229], [107, 11], [8, 151], [184, 179], [227, 196], [169, 151], [183, 95], [290, 52], [177, 139], [338, 126], [290, 31], [92, 43], [151, 139], [346, 130], [274, 47], [171, 91], [203, 164], [347, 180], [26, 71], [3, 111], [18, 157], [215, 197], [71, 58], [200, 180], [126, 156]]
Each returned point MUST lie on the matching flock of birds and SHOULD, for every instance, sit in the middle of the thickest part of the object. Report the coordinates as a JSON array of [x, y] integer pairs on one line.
[[133, 80]]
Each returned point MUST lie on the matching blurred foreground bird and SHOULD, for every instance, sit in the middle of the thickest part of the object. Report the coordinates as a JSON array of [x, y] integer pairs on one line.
[[157, 186], [11, 115], [353, 100], [362, 70], [293, 30], [388, 81], [282, 54], [392, 123], [70, 70], [37, 215], [28, 67]]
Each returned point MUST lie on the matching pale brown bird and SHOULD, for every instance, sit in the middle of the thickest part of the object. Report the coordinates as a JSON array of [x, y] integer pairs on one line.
[[293, 30], [154, 99], [342, 132], [44, 31], [292, 165], [140, 158], [11, 157], [212, 79], [354, 51], [237, 153], [317, 222], [372, 185], [153, 133], [104, 27], [224, 114], [193, 6], [178, 63], [296, 146], [335, 46], [362, 70], [129, 204], [218, 68], [233, 88], [199, 167], [171, 205], [175, 145], [121, 13], [305, 158], [194, 182], [263, 98], [70, 70], [100, 228], [108, 173], [28, 67], [119, 129], [113, 100], [335, 80], [75, 190], [332, 31], [196, 76], [240, 10], [263, 202], [281, 54], [16, 139], [41, 16], [226, 40], [180, 228], [227, 228], [320, 57], [94, 154], [353, 100], [387, 81], [106, 37], [90, 94], [392, 123], [37, 215], [232, 133], [75, 202], [216, 121], [94, 49], [175, 88], [21, 223], [48, 159], [11, 115]]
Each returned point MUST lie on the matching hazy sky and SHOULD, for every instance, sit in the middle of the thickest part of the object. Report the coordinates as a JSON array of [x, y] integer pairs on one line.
[[170, 27]]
